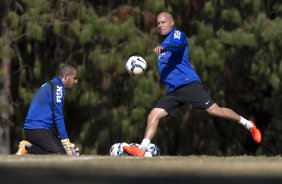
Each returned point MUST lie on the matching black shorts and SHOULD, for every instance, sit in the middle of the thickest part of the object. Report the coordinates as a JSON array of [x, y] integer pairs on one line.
[[43, 142], [192, 94]]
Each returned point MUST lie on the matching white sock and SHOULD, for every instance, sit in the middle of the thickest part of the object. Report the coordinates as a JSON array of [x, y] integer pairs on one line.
[[246, 123], [144, 144]]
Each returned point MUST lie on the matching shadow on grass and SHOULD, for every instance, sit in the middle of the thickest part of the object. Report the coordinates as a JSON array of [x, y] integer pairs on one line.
[[10, 175]]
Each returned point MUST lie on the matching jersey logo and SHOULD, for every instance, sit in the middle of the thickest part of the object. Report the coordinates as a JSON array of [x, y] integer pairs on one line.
[[59, 94], [161, 54], [177, 35]]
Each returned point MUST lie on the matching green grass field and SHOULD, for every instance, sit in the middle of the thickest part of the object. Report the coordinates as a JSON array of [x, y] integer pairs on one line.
[[104, 169]]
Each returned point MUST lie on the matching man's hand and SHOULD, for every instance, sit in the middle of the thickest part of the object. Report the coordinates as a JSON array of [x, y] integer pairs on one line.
[[70, 148], [159, 49]]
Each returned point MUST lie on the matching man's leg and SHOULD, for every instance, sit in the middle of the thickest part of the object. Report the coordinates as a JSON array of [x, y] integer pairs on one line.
[[43, 142], [154, 117], [227, 113]]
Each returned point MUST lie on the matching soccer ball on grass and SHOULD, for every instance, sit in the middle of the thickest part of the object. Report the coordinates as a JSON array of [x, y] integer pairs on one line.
[[117, 150], [152, 151]]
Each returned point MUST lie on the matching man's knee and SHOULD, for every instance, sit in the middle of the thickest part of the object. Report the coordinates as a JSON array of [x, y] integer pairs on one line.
[[214, 110], [156, 114]]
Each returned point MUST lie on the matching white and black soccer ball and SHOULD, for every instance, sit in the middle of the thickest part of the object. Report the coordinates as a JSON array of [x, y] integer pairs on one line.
[[136, 65], [152, 150], [75, 150], [134, 145], [117, 149]]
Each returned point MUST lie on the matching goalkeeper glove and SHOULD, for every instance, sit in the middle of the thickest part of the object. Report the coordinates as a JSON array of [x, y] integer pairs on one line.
[[70, 148]]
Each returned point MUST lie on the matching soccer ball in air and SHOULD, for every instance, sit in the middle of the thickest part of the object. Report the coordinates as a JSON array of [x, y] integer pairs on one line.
[[117, 150], [136, 65]]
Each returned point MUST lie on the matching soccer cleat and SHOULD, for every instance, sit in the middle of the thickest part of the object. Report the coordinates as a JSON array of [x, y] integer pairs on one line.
[[254, 131], [22, 150], [134, 151]]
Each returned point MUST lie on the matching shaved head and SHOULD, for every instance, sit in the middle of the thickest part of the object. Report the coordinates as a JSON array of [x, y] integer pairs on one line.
[[68, 74], [165, 23], [66, 70], [167, 15]]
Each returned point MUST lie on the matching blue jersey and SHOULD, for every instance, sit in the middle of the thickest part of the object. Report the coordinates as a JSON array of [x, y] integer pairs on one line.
[[40, 111], [174, 63]]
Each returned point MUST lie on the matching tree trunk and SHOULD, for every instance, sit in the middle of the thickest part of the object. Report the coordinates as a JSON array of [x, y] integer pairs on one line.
[[5, 81]]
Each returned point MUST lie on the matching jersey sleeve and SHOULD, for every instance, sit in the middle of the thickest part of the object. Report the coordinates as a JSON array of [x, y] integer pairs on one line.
[[175, 42], [58, 110], [61, 129]]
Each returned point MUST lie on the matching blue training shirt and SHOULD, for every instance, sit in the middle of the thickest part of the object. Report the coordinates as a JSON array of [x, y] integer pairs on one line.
[[40, 111], [174, 63]]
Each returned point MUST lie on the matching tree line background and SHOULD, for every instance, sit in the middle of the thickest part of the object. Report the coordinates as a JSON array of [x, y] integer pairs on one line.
[[235, 46]]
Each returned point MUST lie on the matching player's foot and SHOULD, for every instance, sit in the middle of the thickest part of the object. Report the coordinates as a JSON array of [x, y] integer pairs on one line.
[[255, 133], [134, 151], [22, 150]]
